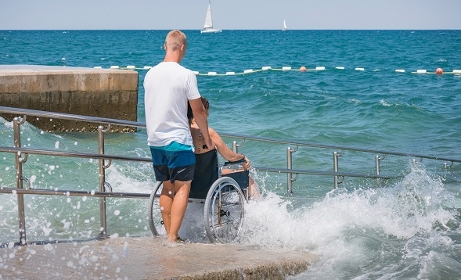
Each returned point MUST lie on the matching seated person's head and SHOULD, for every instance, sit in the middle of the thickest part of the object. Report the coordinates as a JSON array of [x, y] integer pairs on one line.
[[205, 103]]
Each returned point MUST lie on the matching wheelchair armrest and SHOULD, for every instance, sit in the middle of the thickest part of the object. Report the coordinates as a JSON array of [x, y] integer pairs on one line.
[[227, 163]]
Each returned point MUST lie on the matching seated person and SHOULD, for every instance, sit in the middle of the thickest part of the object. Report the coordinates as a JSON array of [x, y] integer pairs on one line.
[[206, 156]]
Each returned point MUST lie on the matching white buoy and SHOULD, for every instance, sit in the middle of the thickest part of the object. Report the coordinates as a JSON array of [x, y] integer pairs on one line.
[[359, 69], [340, 67], [147, 67], [320, 68], [457, 71], [421, 71], [195, 72], [400, 70], [248, 71], [130, 67], [286, 68], [98, 67], [115, 67], [230, 73], [266, 68], [212, 73]]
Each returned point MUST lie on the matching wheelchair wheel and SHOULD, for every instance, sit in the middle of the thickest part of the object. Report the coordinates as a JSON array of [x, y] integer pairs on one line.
[[155, 216], [224, 211]]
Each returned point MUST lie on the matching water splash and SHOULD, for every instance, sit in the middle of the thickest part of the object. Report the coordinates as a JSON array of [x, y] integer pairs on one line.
[[404, 230]]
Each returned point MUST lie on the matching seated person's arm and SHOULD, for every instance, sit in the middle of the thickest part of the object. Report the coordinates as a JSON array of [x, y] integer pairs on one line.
[[223, 149]]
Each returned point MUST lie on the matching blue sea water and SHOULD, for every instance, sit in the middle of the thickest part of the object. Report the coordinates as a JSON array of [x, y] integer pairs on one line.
[[408, 228]]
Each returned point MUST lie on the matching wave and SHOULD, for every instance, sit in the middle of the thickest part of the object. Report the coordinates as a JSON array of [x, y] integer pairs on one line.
[[366, 232]]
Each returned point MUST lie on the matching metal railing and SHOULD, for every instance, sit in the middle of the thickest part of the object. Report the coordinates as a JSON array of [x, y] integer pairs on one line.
[[104, 162]]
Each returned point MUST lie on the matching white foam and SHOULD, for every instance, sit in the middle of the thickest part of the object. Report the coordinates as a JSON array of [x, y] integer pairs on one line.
[[347, 228]]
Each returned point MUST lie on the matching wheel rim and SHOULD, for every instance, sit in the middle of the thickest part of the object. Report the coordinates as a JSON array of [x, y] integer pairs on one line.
[[154, 213], [224, 211]]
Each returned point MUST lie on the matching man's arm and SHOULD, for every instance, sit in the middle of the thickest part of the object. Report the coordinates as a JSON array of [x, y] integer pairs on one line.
[[201, 118]]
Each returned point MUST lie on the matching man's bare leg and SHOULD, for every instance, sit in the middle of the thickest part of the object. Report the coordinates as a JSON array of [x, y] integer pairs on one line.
[[166, 201], [178, 208]]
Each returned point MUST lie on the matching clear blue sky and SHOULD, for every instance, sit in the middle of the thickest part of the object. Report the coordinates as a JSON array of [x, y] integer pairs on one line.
[[230, 14]]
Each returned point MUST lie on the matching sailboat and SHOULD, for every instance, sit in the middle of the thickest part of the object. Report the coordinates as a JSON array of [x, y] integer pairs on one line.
[[208, 25], [284, 26]]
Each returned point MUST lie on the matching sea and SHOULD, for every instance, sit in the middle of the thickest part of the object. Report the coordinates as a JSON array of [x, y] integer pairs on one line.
[[372, 90]]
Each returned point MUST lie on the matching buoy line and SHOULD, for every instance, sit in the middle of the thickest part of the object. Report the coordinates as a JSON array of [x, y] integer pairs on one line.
[[438, 71]]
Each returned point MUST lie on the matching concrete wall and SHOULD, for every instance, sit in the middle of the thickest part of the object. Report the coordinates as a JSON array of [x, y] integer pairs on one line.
[[109, 93]]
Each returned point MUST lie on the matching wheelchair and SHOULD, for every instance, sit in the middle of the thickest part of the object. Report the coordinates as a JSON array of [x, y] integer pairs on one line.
[[223, 191]]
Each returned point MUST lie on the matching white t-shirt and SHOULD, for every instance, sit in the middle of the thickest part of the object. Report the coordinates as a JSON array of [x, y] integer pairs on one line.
[[168, 87]]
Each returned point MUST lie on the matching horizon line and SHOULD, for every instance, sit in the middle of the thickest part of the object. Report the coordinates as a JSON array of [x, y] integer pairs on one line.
[[294, 29]]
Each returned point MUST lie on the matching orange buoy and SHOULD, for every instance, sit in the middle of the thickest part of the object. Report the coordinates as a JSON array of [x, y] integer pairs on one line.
[[439, 71], [302, 69]]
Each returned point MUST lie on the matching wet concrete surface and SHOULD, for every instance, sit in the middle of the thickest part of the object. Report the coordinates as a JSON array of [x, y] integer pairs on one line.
[[149, 258]]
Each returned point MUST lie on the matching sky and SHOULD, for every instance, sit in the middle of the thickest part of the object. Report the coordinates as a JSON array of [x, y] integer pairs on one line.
[[229, 14]]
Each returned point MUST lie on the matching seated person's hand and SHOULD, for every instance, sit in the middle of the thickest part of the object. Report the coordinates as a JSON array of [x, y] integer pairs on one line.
[[246, 165]]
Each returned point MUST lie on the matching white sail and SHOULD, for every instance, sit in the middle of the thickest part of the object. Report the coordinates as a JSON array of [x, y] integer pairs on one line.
[[208, 25], [284, 25], [208, 21]]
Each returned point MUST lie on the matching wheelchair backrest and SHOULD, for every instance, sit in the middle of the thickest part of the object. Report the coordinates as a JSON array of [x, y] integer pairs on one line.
[[206, 172]]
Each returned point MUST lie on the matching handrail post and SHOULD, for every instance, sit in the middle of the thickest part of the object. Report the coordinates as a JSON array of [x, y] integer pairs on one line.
[[21, 214], [377, 162], [289, 166], [335, 169], [102, 180], [235, 147], [378, 169]]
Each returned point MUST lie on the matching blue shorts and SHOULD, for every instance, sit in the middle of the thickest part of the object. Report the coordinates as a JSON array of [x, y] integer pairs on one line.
[[173, 162]]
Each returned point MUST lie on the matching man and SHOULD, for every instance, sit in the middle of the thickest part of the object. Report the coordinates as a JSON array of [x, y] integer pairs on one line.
[[168, 88]]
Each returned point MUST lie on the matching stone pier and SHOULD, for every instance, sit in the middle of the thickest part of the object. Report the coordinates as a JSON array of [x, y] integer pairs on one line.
[[108, 93]]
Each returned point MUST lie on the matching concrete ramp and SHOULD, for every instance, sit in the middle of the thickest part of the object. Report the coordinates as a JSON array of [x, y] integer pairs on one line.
[[149, 258]]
